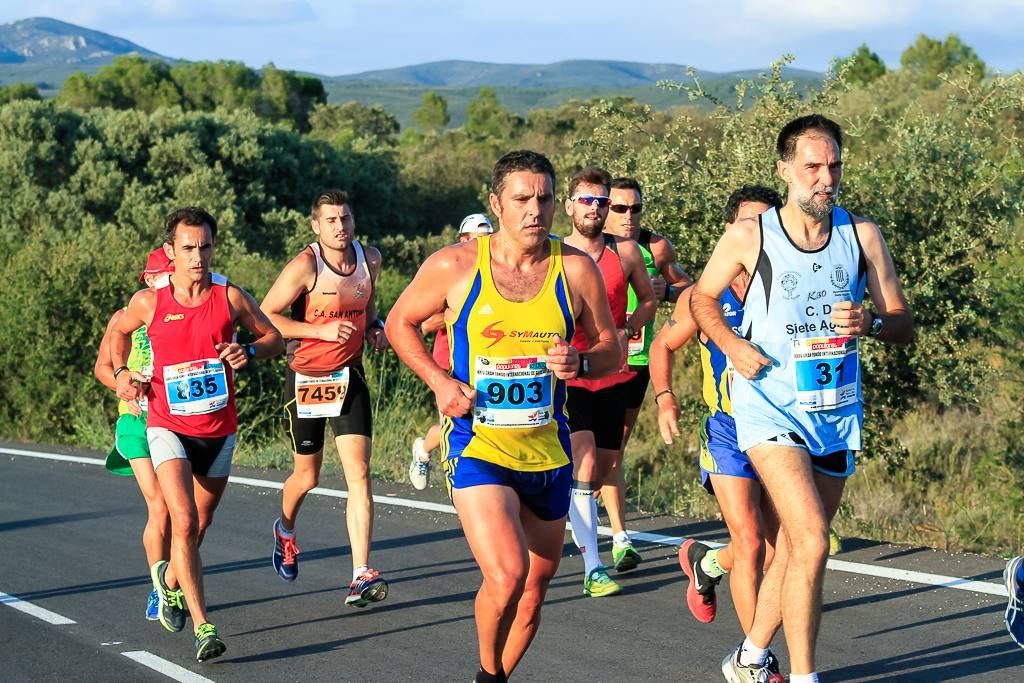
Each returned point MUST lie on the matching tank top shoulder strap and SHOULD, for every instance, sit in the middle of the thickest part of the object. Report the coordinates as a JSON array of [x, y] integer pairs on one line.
[[218, 279], [610, 243], [644, 237]]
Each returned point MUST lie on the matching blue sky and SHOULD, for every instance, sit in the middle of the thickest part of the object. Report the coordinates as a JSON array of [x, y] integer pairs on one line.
[[719, 35]]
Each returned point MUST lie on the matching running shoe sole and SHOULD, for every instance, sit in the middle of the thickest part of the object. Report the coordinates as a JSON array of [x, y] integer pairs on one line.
[[375, 592], [210, 647], [630, 560]]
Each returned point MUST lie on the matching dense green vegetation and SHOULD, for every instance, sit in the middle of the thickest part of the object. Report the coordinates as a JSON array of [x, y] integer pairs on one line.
[[933, 156]]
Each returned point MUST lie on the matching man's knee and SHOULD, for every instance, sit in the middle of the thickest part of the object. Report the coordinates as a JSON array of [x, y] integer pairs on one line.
[[809, 544], [185, 524], [748, 547], [306, 478], [506, 585]]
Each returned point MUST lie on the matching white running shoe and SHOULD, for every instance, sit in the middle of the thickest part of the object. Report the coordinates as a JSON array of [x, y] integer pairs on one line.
[[419, 468]]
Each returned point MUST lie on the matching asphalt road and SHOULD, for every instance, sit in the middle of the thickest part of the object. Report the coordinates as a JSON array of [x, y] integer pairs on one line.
[[70, 544]]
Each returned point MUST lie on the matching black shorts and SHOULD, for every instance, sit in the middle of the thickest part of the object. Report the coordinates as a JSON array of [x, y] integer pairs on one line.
[[307, 433], [602, 412], [636, 388], [835, 464]]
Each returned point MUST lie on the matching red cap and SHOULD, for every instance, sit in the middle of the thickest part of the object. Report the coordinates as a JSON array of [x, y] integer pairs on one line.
[[157, 263]]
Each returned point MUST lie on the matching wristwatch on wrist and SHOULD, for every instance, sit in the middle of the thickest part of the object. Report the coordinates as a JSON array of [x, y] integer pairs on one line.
[[628, 329], [584, 368], [250, 351], [876, 325]]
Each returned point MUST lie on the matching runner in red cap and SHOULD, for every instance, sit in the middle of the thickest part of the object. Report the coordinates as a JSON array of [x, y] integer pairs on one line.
[[130, 454]]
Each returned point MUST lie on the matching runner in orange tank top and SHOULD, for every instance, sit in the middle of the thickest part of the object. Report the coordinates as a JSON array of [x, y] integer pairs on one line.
[[330, 289], [190, 319], [597, 407]]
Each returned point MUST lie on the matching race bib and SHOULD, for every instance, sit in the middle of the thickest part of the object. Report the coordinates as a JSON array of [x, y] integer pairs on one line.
[[321, 396], [513, 392], [827, 372], [196, 387], [635, 344]]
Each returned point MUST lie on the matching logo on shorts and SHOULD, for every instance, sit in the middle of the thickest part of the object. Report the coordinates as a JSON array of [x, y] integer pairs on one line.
[[170, 317], [790, 280]]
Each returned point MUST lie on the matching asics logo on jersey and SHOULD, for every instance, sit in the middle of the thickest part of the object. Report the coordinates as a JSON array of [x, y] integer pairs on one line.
[[170, 317], [493, 332]]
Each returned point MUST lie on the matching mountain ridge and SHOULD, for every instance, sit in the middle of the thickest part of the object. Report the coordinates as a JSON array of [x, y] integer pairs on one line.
[[42, 40]]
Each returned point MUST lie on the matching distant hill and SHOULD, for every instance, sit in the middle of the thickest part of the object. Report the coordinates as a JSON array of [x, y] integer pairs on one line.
[[48, 41], [578, 73], [46, 51]]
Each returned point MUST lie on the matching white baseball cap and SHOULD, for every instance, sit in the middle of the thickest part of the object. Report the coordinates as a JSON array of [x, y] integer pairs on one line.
[[473, 223]]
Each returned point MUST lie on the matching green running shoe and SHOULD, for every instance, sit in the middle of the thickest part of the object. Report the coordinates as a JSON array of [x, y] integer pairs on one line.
[[598, 584], [835, 542], [172, 602], [208, 643], [625, 557]]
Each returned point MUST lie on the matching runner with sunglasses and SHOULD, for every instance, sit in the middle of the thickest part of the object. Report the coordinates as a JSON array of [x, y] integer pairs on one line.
[[668, 279], [597, 407]]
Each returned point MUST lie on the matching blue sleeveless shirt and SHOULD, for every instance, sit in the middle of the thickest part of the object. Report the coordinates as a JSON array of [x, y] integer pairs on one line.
[[813, 386]]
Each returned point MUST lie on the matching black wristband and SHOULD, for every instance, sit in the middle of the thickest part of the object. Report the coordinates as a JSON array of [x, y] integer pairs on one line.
[[663, 392], [378, 323], [669, 291], [119, 370]]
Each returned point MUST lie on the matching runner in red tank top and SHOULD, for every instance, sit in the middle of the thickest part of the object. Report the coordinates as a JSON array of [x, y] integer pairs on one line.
[[597, 407], [330, 289], [190, 320], [474, 225]]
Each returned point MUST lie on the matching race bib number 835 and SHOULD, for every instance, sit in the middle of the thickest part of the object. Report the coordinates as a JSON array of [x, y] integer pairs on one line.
[[196, 387]]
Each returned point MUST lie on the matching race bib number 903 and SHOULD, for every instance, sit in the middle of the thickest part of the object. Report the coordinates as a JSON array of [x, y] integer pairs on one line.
[[827, 372], [512, 392], [196, 387]]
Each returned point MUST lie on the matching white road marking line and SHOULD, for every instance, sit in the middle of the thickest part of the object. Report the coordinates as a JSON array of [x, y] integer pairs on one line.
[[877, 571], [35, 610], [165, 667]]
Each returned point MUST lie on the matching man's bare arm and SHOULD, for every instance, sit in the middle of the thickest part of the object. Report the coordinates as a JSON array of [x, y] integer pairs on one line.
[[636, 273], [293, 282], [884, 287], [593, 314]]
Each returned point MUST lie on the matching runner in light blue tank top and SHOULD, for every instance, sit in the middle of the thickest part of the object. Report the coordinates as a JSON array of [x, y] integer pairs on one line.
[[813, 387]]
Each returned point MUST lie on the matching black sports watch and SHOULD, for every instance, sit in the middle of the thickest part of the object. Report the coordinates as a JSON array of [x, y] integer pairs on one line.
[[584, 365], [250, 351], [876, 325]]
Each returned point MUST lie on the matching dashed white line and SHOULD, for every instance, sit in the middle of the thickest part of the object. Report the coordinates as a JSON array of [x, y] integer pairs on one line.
[[169, 669], [35, 610], [878, 571]]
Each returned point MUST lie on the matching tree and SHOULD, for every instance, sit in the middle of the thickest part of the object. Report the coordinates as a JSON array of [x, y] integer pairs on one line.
[[862, 67], [486, 119], [929, 58], [343, 123], [19, 91], [432, 114]]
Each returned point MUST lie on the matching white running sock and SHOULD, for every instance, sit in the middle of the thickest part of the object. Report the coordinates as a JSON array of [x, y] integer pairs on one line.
[[752, 655], [621, 538], [583, 516], [358, 571], [804, 678], [284, 533]]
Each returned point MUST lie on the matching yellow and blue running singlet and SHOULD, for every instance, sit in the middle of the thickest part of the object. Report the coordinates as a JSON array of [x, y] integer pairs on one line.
[[715, 366], [519, 420]]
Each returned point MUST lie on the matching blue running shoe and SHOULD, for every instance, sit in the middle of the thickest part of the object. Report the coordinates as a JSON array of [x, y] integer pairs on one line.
[[1014, 617], [286, 561], [369, 587], [153, 606]]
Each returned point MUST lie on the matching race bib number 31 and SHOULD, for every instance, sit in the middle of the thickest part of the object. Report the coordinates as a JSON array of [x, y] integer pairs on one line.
[[827, 372], [512, 392], [197, 387], [321, 396]]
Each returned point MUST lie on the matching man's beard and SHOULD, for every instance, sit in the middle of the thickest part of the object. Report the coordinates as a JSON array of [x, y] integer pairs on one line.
[[589, 231], [818, 212]]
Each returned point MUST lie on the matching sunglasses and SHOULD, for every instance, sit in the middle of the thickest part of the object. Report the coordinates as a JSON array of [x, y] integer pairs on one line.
[[623, 208], [590, 200]]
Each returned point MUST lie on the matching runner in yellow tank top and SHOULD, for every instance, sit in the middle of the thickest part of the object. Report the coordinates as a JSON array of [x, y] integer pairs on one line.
[[506, 464]]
